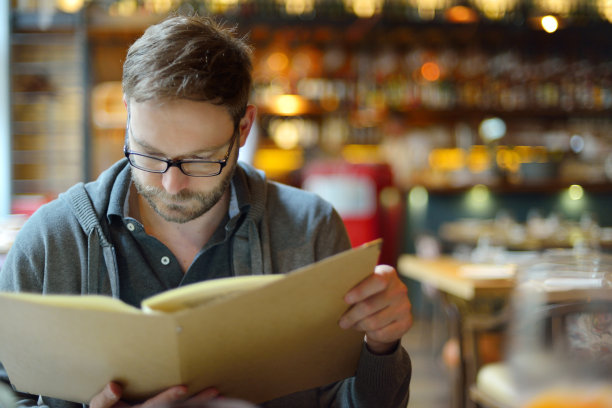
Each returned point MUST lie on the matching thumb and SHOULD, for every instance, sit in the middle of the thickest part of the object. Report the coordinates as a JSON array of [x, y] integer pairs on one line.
[[108, 397]]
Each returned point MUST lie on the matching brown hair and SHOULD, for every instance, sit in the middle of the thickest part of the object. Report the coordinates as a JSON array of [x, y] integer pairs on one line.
[[190, 57]]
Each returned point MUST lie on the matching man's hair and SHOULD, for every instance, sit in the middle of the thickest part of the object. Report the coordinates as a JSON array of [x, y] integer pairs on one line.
[[190, 57]]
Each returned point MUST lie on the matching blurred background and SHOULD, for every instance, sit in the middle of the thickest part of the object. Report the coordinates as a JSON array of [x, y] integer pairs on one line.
[[463, 127], [449, 118]]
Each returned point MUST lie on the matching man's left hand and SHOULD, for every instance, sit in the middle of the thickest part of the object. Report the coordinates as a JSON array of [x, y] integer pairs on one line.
[[379, 306]]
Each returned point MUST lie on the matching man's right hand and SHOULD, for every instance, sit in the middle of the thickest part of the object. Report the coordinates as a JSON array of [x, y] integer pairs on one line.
[[110, 397]]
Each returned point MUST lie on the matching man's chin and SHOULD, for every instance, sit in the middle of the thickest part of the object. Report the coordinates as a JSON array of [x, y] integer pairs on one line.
[[183, 207], [179, 215]]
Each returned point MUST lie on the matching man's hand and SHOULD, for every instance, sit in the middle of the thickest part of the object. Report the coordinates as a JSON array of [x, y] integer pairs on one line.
[[110, 397], [380, 307]]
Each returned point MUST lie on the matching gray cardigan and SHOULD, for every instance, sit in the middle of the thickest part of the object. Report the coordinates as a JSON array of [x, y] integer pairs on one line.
[[64, 248]]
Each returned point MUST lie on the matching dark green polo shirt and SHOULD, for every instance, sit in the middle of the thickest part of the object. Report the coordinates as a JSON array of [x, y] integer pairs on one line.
[[147, 267]]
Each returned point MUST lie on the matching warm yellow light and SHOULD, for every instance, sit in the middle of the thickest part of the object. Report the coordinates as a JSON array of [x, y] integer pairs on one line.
[[550, 24], [525, 153], [573, 396], [478, 159], [298, 7], [447, 159], [69, 6], [495, 9], [287, 105], [276, 162], [361, 153], [286, 135], [363, 8], [277, 61], [221, 6], [575, 192], [508, 159], [605, 9], [461, 15], [430, 71]]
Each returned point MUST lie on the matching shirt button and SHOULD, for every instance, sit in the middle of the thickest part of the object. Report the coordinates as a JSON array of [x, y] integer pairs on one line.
[[165, 260], [131, 226]]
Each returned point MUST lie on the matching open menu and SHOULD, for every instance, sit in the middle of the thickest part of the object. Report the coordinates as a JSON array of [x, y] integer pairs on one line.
[[253, 337]]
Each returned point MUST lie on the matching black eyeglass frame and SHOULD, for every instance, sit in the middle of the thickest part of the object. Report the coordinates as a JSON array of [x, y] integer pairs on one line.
[[178, 163]]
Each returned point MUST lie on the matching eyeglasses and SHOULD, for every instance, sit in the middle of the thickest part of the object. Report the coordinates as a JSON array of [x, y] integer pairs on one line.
[[189, 167]]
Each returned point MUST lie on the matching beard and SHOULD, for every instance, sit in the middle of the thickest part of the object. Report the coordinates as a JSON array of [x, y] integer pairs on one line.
[[186, 205]]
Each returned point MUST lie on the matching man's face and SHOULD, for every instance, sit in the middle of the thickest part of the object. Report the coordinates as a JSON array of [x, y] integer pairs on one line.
[[182, 130]]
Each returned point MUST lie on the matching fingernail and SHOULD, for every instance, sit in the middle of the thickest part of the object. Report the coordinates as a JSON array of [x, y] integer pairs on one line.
[[113, 391], [180, 392]]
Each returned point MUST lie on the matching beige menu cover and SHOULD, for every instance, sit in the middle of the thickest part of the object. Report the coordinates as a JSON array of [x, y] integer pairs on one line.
[[271, 337]]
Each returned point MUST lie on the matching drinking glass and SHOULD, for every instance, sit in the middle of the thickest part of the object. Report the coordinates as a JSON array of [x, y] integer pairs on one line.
[[560, 336]]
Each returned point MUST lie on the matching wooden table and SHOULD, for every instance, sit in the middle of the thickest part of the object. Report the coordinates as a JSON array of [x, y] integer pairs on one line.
[[475, 297], [464, 288], [462, 279]]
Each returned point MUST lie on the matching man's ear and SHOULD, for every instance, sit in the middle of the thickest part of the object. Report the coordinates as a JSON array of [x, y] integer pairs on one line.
[[246, 123]]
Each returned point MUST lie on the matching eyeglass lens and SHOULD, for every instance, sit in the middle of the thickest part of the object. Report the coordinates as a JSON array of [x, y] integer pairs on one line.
[[159, 166]]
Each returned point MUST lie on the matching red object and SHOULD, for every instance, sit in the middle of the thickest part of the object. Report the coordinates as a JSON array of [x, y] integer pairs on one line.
[[355, 191], [28, 204]]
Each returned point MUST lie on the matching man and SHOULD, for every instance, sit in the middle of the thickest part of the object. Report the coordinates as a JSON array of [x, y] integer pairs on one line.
[[182, 209]]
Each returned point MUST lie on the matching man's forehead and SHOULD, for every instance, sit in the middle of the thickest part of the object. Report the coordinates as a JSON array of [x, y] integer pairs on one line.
[[176, 144]]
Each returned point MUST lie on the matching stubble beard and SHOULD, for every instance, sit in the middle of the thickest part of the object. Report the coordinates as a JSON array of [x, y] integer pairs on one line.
[[186, 205]]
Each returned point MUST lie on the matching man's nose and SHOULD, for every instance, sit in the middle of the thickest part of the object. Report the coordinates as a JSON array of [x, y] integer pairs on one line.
[[174, 180]]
